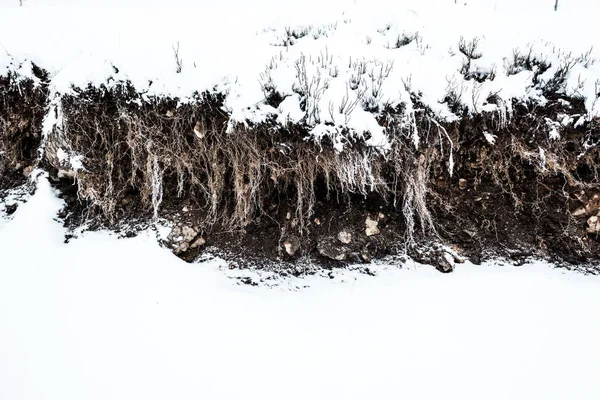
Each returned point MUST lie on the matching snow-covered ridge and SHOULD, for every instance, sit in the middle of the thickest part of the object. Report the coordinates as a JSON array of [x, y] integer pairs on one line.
[[331, 69]]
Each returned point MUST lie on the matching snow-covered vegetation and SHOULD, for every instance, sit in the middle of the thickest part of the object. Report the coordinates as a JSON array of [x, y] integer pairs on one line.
[[332, 67]]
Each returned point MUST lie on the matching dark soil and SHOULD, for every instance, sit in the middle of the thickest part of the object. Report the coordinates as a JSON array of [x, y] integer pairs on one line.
[[22, 110], [250, 192]]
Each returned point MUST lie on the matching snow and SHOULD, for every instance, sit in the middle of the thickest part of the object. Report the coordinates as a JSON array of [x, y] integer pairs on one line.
[[102, 317], [235, 46], [107, 318]]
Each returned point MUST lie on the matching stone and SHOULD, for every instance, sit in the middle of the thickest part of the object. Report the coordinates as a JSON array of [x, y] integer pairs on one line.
[[332, 249], [365, 255], [182, 237], [199, 130], [27, 171], [475, 259], [445, 263], [371, 227], [462, 183], [198, 243], [291, 245], [593, 224], [593, 205], [11, 208], [62, 174], [344, 237]]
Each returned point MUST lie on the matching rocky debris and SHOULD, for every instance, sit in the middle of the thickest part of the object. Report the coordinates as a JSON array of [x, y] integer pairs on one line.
[[345, 237], [183, 237], [371, 226], [593, 225], [332, 249], [445, 263], [462, 183], [11, 208], [291, 245]]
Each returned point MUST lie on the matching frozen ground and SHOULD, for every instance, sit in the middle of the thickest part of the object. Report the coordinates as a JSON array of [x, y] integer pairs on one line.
[[106, 318]]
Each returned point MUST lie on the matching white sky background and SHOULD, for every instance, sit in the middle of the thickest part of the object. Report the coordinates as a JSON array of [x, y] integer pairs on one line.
[[515, 5]]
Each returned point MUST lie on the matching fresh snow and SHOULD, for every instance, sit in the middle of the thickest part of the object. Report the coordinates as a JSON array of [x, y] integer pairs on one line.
[[345, 51], [107, 318]]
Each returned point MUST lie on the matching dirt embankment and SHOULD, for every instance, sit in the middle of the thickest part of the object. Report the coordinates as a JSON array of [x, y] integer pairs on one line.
[[516, 185]]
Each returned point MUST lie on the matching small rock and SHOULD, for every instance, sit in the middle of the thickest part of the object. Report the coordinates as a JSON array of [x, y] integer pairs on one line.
[[593, 205], [291, 245], [317, 221], [198, 243], [475, 259], [593, 224], [372, 227], [462, 183], [345, 237], [331, 249], [181, 237], [62, 174], [445, 263], [185, 209], [199, 130], [169, 113], [27, 171], [11, 208], [365, 255], [471, 233]]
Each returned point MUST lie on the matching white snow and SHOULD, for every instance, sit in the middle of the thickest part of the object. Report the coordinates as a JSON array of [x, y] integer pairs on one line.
[[347, 52], [107, 318]]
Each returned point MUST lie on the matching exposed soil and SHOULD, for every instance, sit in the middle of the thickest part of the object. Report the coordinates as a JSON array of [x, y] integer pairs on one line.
[[263, 194], [22, 110]]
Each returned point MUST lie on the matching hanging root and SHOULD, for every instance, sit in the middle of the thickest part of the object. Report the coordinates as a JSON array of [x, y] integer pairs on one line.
[[22, 108], [146, 157]]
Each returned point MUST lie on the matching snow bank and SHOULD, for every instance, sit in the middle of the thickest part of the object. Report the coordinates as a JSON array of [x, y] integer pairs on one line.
[[105, 318], [336, 66]]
